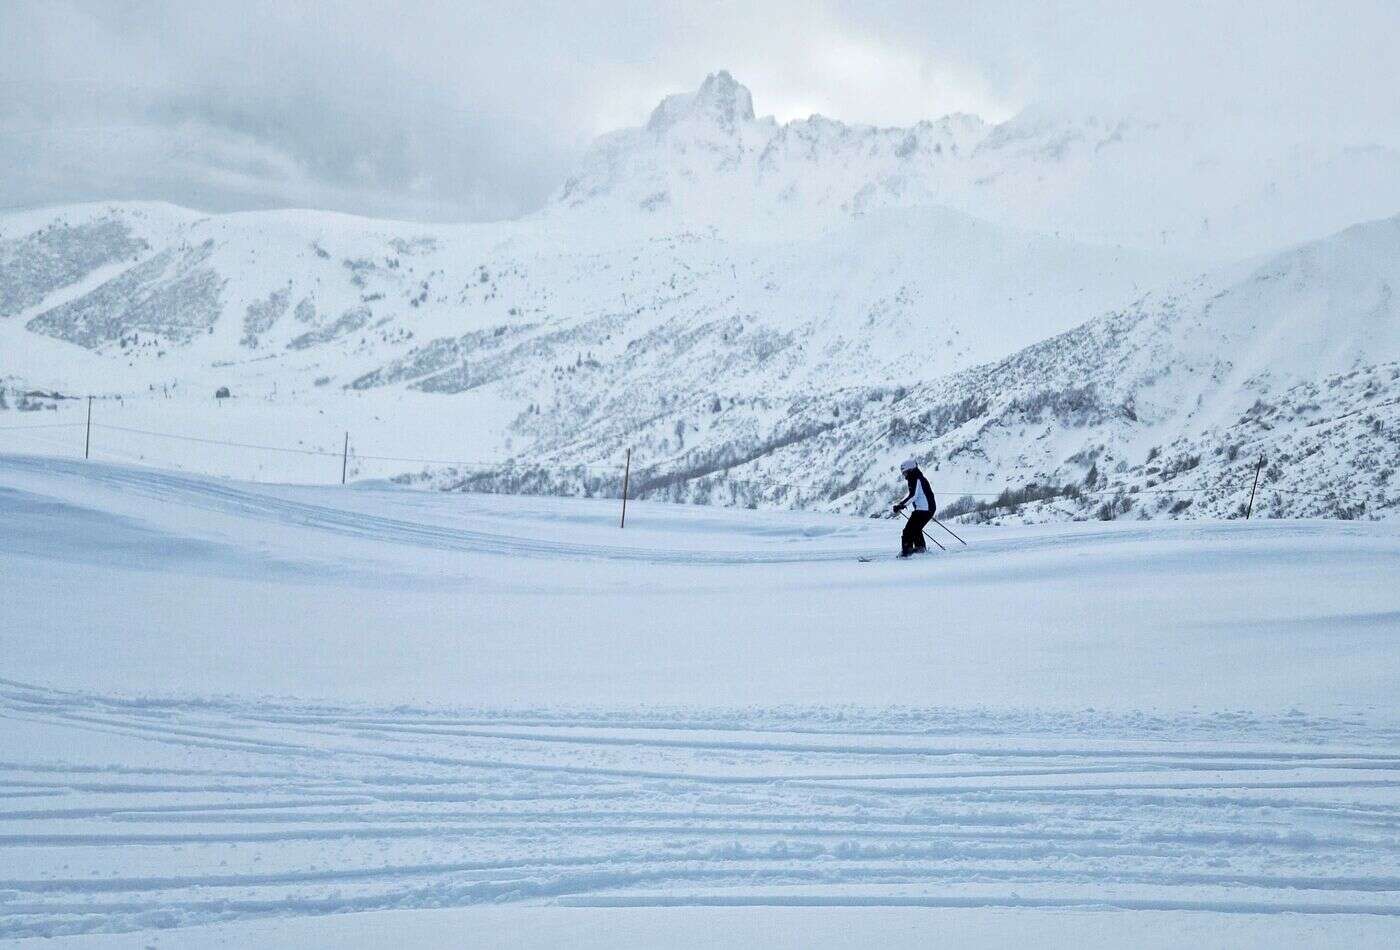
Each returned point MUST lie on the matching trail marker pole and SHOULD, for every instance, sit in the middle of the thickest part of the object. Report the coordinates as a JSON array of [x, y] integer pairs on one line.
[[1257, 469], [345, 459], [626, 477], [87, 443]]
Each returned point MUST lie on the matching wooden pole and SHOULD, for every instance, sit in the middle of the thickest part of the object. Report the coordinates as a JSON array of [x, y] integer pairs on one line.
[[1257, 469], [345, 459], [626, 477], [87, 443]]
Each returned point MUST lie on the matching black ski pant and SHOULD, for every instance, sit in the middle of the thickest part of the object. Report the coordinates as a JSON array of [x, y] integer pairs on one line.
[[913, 537]]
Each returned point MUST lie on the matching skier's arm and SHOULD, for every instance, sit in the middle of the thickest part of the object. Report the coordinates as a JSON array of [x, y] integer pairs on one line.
[[906, 499]]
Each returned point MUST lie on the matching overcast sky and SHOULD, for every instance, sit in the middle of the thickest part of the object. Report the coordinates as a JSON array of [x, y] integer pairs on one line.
[[468, 111]]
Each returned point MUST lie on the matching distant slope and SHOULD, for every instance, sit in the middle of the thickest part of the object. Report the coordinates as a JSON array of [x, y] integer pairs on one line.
[[536, 331], [918, 292], [1295, 359]]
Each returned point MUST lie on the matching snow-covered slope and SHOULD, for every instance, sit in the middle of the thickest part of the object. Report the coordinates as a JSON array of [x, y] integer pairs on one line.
[[535, 601], [310, 289], [1295, 359], [250, 704]]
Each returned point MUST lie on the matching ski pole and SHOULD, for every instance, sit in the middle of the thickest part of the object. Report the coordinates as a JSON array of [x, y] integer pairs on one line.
[[950, 531], [925, 537]]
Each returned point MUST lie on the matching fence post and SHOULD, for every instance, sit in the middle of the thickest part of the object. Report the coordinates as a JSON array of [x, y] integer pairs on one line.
[[626, 477], [345, 458], [87, 442], [1257, 469]]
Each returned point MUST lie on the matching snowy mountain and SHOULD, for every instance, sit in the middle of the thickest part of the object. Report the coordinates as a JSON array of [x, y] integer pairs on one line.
[[518, 339], [704, 159], [765, 313]]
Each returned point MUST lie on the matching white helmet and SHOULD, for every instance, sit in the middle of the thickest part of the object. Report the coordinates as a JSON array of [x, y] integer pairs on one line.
[[908, 465]]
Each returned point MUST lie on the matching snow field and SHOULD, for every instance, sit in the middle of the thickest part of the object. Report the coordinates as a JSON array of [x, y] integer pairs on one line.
[[252, 710], [387, 595]]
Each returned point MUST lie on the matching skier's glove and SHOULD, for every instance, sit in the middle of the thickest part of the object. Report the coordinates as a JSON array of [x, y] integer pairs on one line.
[[898, 509]]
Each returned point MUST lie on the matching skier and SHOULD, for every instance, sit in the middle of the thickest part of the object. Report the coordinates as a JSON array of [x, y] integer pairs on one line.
[[921, 495]]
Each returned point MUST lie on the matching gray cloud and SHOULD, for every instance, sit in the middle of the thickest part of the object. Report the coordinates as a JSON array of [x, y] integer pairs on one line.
[[469, 111]]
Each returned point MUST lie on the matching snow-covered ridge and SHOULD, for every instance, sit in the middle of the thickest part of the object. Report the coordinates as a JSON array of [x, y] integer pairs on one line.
[[705, 158]]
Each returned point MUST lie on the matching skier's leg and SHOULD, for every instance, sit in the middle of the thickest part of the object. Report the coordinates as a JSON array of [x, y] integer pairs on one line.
[[906, 538], [917, 521]]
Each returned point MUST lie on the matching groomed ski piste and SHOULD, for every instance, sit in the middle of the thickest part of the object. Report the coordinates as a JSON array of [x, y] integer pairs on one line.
[[238, 714]]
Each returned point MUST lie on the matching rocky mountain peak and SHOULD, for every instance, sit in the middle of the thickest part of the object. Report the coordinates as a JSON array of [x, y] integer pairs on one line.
[[720, 101]]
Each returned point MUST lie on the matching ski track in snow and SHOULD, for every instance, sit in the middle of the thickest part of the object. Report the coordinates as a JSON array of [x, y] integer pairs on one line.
[[158, 813]]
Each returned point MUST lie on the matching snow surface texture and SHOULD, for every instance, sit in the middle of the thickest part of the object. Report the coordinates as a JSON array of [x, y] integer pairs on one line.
[[767, 315], [227, 704], [797, 927]]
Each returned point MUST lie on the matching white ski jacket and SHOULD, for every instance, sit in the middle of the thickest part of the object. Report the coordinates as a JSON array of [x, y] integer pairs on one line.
[[920, 501]]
